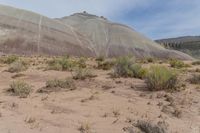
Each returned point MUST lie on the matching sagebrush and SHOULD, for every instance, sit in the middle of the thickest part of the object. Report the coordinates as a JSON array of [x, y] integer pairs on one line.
[[20, 88], [161, 78]]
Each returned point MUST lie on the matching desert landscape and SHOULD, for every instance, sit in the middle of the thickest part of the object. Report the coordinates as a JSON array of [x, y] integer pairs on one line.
[[90, 95], [87, 67]]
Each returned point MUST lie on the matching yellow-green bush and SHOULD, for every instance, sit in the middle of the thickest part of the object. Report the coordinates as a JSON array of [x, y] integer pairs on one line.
[[18, 66], [82, 73], [81, 63], [20, 88], [58, 85], [106, 65], [177, 64], [138, 71], [196, 63], [123, 66], [66, 83], [9, 59], [126, 67], [161, 78], [60, 64]]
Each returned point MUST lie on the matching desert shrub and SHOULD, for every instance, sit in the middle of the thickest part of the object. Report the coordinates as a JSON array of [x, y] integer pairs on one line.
[[20, 88], [196, 63], [138, 71], [18, 66], [177, 64], [81, 63], [197, 70], [57, 85], [54, 65], [85, 128], [146, 60], [161, 78], [106, 65], [82, 73], [100, 58], [195, 79], [148, 127], [126, 67], [60, 64], [67, 83], [150, 59], [123, 66], [9, 59]]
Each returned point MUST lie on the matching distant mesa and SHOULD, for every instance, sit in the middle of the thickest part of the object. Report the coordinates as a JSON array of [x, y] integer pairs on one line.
[[81, 34], [187, 44]]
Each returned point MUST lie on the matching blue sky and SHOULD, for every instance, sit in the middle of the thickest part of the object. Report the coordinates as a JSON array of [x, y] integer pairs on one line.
[[153, 18]]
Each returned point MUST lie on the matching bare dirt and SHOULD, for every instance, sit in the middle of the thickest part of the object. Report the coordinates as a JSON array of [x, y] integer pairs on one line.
[[98, 105]]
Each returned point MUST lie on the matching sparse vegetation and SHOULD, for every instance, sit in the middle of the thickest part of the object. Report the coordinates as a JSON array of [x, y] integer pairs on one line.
[[148, 127], [57, 85], [138, 71], [18, 66], [83, 73], [85, 128], [81, 63], [150, 60], [9, 59], [100, 58], [106, 65], [126, 67], [197, 70], [123, 67], [147, 60], [20, 88], [177, 64], [196, 63], [60, 64], [116, 113], [195, 79], [161, 78]]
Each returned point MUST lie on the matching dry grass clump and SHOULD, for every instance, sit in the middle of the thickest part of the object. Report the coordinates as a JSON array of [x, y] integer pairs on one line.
[[60, 64], [178, 64], [20, 88], [196, 63], [195, 79], [161, 78], [148, 127], [9, 59], [106, 64], [85, 128], [81, 63], [18, 66], [197, 70], [57, 85], [126, 67], [147, 60], [100, 58], [82, 74]]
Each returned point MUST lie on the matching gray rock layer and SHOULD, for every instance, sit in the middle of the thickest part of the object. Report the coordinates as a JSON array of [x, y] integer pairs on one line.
[[81, 34]]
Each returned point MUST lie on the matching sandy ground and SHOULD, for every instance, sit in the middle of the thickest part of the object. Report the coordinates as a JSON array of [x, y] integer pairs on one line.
[[103, 104]]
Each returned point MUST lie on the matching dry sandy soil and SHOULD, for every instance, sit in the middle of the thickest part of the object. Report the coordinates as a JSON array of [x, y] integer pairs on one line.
[[101, 104]]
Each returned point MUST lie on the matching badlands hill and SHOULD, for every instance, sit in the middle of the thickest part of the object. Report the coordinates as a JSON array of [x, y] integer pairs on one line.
[[187, 44], [81, 34]]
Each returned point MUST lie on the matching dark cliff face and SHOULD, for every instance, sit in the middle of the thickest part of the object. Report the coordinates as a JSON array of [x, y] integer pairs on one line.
[[187, 44], [81, 34]]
